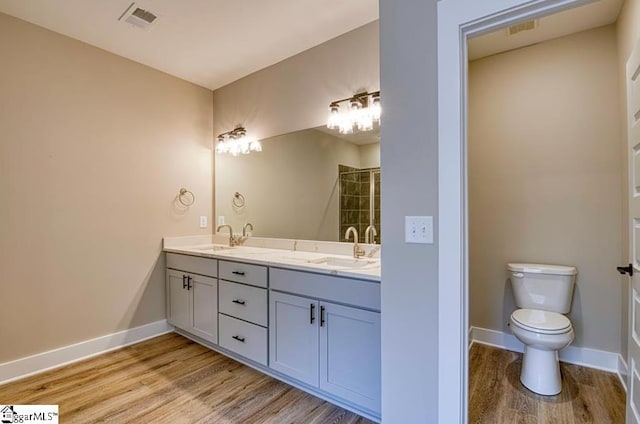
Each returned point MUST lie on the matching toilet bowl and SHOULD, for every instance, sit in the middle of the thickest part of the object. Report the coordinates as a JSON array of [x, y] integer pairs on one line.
[[543, 334], [543, 294]]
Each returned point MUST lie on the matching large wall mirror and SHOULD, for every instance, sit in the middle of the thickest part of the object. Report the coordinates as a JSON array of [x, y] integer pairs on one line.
[[307, 185]]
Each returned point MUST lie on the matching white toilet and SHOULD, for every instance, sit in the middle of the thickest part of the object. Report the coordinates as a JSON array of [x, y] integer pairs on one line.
[[543, 293]]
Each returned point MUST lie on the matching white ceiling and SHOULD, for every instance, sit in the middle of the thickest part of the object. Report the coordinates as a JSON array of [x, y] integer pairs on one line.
[[208, 42], [574, 20]]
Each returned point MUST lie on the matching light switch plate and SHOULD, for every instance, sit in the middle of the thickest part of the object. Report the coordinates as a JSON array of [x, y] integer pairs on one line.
[[220, 220], [418, 229], [203, 222]]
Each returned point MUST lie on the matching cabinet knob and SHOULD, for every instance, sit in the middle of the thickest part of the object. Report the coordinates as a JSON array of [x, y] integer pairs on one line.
[[238, 338], [238, 301]]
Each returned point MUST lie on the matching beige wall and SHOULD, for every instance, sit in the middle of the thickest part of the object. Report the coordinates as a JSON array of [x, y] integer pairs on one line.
[[93, 150], [370, 155], [628, 32], [544, 177], [294, 94], [291, 187]]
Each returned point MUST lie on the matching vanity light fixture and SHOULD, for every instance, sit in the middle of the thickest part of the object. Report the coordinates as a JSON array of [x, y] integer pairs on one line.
[[361, 113], [237, 142]]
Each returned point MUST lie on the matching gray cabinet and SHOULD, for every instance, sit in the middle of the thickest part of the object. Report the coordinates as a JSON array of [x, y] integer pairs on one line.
[[178, 300], [293, 337], [333, 347], [192, 299], [318, 332], [350, 354], [243, 310], [245, 302], [245, 339], [204, 307]]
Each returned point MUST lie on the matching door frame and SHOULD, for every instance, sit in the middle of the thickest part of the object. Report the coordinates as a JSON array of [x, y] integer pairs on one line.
[[459, 20]]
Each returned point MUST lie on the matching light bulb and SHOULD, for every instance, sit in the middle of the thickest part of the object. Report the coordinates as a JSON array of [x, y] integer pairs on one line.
[[376, 110], [255, 146], [243, 144], [333, 121], [365, 121], [234, 148], [346, 125]]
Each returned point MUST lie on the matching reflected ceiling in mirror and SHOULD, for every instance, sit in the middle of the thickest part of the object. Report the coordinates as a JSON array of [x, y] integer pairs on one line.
[[306, 185]]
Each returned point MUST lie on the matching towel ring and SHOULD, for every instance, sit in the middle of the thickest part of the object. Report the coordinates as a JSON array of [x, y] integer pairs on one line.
[[186, 197], [238, 200]]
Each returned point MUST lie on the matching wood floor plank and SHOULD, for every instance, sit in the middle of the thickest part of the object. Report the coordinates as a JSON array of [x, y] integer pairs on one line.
[[497, 396], [170, 379]]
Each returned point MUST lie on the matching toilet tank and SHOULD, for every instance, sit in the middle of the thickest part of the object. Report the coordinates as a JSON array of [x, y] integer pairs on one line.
[[539, 286]]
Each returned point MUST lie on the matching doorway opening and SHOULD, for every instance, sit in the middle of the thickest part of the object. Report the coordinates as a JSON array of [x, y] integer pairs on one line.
[[538, 174], [544, 179]]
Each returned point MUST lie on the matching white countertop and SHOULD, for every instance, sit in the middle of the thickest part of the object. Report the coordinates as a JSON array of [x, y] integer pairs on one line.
[[319, 261]]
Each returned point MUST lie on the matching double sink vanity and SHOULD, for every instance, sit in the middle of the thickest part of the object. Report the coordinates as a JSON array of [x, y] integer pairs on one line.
[[304, 312]]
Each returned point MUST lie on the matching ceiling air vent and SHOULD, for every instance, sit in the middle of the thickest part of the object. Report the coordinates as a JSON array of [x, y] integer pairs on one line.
[[524, 26], [138, 17]]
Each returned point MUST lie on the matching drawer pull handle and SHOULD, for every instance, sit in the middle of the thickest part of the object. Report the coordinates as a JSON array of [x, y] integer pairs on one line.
[[184, 281], [189, 278], [312, 313], [238, 272], [238, 338], [322, 316], [238, 301]]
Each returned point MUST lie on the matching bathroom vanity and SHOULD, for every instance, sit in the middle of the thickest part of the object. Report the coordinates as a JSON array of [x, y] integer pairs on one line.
[[303, 312]]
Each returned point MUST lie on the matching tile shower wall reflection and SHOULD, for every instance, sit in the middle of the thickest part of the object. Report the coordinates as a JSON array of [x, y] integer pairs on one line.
[[357, 186]]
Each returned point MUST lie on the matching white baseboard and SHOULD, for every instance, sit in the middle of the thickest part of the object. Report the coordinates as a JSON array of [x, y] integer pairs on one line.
[[24, 367], [591, 358], [623, 372]]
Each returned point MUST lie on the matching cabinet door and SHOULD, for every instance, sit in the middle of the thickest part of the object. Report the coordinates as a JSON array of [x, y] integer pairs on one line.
[[178, 300], [293, 336], [204, 291], [350, 354]]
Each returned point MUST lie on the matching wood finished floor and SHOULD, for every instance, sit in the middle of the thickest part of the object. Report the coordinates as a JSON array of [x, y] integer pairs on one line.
[[497, 396], [170, 379]]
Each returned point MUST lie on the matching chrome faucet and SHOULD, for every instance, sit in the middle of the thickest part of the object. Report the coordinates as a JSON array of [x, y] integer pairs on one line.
[[370, 235], [232, 239], [244, 229], [358, 252]]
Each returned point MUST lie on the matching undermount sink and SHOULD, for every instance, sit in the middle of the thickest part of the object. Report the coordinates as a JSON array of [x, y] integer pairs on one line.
[[213, 248], [342, 262]]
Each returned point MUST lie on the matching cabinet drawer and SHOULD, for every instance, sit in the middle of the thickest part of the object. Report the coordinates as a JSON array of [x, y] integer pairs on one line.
[[256, 275], [243, 338], [244, 302], [194, 264], [360, 293]]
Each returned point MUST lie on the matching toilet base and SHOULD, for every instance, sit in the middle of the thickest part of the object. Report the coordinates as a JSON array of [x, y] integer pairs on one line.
[[541, 371]]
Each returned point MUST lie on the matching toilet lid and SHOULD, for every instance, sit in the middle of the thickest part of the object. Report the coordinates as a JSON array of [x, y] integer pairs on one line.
[[541, 321]]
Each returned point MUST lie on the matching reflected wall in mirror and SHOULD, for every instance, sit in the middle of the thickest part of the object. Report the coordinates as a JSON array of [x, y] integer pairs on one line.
[[306, 185]]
